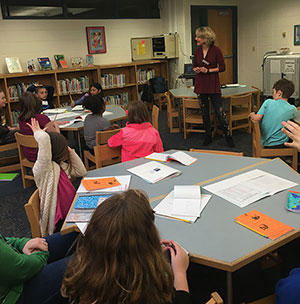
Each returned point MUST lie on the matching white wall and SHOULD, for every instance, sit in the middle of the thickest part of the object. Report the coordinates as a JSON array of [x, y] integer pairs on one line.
[[260, 27], [37, 38]]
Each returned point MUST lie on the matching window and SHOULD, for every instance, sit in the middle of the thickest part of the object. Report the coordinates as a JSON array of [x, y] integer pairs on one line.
[[79, 9]]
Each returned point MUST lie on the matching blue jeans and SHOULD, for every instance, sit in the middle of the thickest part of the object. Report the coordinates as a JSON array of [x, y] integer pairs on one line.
[[44, 288]]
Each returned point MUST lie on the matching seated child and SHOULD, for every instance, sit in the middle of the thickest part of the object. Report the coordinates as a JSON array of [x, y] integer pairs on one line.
[[273, 112], [7, 133], [44, 94], [95, 89], [95, 121], [121, 259], [51, 175], [138, 138], [30, 107], [32, 269]]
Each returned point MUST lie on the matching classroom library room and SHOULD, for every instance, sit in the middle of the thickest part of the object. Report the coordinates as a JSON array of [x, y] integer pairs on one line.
[[141, 161]]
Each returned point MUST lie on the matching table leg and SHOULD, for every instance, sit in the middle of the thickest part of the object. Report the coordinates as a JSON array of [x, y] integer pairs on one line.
[[79, 144], [229, 288], [178, 102]]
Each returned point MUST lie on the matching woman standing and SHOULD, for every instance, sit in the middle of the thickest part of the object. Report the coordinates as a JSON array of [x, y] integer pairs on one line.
[[208, 62]]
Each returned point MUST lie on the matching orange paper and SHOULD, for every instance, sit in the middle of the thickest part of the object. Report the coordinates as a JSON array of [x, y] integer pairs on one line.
[[263, 224], [100, 183]]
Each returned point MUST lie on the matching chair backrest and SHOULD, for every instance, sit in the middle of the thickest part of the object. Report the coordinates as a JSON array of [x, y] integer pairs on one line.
[[190, 103], [32, 209], [240, 100], [103, 136], [258, 94], [256, 138], [218, 152], [25, 141], [155, 113], [105, 153]]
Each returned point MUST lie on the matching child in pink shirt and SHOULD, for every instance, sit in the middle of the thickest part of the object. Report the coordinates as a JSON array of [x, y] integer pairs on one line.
[[138, 138]]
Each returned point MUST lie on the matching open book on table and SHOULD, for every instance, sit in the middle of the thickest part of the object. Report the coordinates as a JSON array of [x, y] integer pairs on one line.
[[179, 156], [152, 172]]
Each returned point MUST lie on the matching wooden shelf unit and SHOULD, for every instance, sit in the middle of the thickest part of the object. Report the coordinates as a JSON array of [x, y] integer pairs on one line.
[[132, 86]]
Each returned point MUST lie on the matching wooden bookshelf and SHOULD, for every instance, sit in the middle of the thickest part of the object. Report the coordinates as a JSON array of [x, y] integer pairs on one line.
[[129, 86]]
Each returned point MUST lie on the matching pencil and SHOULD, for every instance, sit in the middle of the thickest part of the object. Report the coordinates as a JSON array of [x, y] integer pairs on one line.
[[173, 217], [55, 116], [252, 229]]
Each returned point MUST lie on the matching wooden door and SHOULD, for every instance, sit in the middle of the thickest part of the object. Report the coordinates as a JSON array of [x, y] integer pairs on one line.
[[220, 20]]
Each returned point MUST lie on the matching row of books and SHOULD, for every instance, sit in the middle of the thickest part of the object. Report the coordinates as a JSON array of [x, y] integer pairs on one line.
[[15, 115], [74, 85], [118, 99], [112, 80], [44, 63], [144, 75], [16, 90]]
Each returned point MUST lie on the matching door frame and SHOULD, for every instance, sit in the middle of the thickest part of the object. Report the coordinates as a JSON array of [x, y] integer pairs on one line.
[[201, 10]]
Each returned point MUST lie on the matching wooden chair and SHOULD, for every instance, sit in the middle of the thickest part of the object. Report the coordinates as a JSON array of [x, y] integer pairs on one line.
[[192, 116], [161, 98], [30, 142], [172, 113], [105, 153], [32, 209], [218, 152], [155, 114], [215, 299], [239, 110], [257, 93], [101, 139], [13, 160], [259, 151]]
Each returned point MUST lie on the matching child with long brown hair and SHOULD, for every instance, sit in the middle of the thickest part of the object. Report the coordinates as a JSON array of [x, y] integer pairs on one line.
[[138, 138], [31, 107], [121, 260], [55, 163]]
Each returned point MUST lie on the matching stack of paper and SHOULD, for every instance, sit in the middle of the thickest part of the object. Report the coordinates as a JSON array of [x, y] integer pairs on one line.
[[78, 108], [185, 203], [249, 187], [122, 184], [153, 172], [179, 156], [54, 111]]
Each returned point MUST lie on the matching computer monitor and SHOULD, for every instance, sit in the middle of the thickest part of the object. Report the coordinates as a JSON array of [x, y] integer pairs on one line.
[[188, 69]]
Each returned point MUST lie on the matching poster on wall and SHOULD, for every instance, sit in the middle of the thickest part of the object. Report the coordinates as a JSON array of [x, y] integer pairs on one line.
[[96, 39], [296, 34]]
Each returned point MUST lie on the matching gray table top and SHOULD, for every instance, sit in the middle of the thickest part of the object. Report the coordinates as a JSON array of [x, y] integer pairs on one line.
[[297, 118], [116, 112], [215, 239], [183, 92]]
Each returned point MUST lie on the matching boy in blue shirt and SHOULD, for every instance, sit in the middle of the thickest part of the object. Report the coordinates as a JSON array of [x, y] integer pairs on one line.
[[273, 112]]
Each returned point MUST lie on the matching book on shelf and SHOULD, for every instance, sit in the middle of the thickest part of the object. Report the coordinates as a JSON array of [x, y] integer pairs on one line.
[[45, 63], [144, 75], [117, 99], [76, 62], [15, 118], [15, 91], [13, 65], [60, 61], [89, 60], [31, 66], [113, 81], [74, 85]]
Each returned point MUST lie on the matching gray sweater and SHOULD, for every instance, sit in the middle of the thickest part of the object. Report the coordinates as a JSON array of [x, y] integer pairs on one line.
[[93, 123]]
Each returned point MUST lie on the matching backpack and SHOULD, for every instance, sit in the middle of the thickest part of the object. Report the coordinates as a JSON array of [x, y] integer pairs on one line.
[[159, 85]]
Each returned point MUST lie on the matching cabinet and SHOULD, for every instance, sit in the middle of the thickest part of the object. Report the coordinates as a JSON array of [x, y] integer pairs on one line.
[[121, 83]]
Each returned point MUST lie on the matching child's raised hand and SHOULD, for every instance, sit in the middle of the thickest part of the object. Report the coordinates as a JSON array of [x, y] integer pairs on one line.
[[292, 130], [34, 126]]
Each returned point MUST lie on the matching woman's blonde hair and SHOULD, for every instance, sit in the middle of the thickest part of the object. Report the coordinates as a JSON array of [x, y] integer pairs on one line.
[[120, 259], [207, 33]]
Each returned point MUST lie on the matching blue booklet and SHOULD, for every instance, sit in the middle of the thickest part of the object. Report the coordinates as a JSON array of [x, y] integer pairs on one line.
[[91, 201]]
